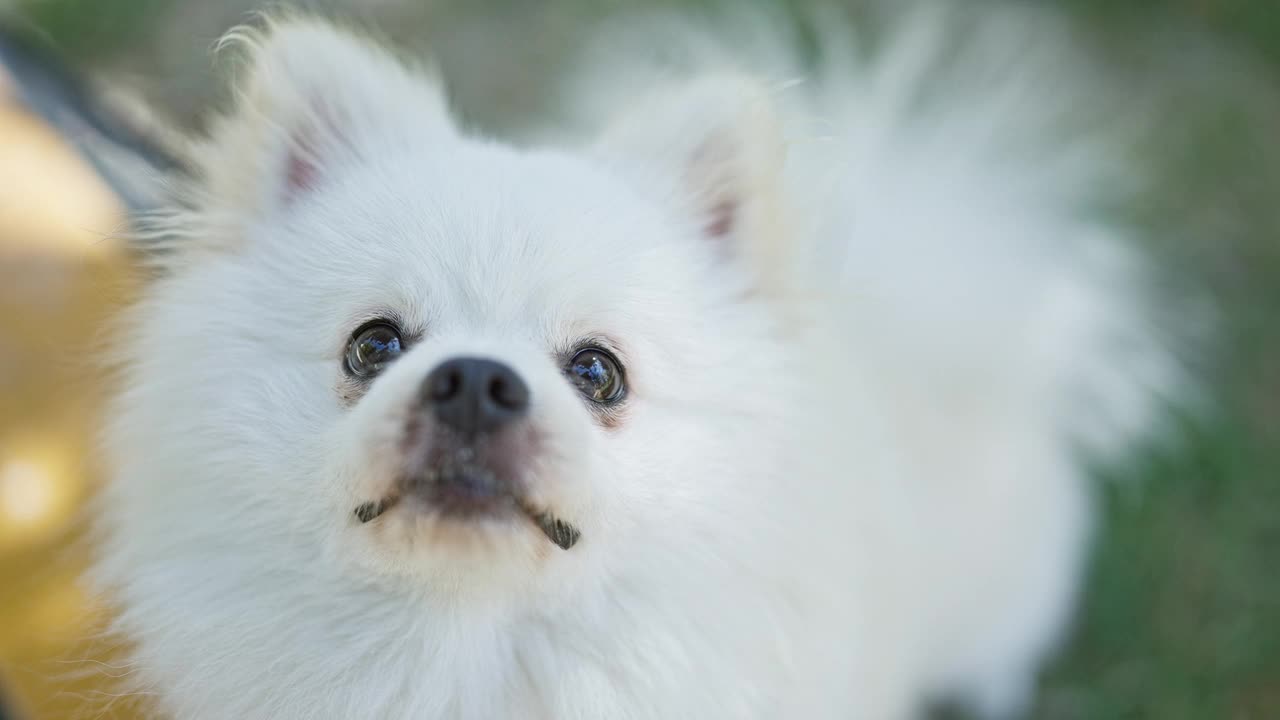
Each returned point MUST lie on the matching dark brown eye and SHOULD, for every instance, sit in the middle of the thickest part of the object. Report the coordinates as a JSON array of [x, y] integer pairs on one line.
[[372, 348], [597, 375]]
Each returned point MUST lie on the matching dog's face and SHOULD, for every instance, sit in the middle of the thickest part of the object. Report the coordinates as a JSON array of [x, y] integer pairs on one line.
[[399, 353]]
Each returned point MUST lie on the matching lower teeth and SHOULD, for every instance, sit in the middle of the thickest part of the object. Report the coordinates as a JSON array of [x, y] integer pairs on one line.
[[560, 532], [371, 510]]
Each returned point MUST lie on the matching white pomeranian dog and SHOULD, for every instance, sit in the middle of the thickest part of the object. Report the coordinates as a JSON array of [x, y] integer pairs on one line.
[[764, 390]]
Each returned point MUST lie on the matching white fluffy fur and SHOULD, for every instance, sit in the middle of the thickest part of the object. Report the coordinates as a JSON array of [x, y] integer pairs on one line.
[[847, 478]]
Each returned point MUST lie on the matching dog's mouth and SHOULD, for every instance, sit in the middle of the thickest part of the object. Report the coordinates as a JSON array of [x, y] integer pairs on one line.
[[470, 479], [559, 531]]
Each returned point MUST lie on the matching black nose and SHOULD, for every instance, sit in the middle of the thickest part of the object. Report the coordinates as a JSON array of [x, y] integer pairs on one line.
[[473, 395]]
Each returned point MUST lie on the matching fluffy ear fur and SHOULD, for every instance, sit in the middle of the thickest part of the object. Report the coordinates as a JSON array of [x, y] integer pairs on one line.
[[715, 144], [313, 99]]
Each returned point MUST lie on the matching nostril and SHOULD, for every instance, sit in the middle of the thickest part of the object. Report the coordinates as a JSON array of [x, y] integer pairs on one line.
[[508, 392], [443, 384], [498, 390]]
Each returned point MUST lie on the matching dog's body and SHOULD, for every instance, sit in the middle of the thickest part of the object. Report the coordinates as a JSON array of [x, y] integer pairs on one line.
[[862, 339]]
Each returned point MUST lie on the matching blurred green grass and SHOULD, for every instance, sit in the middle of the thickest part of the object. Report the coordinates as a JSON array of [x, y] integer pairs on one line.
[[1182, 613], [1181, 618]]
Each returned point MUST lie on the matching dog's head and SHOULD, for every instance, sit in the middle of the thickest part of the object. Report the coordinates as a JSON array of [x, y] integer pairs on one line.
[[389, 349]]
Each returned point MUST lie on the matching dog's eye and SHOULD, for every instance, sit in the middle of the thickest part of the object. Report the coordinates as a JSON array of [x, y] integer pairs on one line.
[[597, 375], [372, 348]]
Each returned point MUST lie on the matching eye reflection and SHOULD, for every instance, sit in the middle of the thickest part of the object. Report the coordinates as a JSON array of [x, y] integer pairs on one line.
[[372, 348], [597, 374]]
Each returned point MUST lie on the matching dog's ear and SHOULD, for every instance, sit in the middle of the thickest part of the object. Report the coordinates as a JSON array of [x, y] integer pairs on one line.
[[313, 99], [714, 146]]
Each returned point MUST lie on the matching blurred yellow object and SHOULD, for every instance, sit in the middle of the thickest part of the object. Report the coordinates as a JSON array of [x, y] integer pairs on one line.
[[61, 276], [38, 495]]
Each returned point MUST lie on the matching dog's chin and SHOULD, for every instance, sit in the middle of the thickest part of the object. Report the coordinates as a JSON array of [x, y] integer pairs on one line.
[[452, 545], [462, 527]]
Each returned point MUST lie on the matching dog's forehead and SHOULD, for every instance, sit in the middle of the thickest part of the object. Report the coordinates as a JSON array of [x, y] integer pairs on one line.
[[499, 236]]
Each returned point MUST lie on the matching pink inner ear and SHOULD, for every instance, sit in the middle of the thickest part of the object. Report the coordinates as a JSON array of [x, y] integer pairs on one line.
[[300, 174], [711, 173], [303, 166], [721, 220]]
